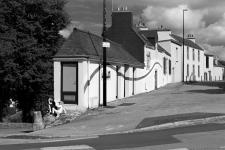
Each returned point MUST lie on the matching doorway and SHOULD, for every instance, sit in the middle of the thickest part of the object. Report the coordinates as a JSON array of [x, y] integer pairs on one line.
[[156, 80], [69, 83]]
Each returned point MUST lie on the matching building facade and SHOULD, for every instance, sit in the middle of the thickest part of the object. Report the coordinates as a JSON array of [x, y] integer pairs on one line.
[[138, 60]]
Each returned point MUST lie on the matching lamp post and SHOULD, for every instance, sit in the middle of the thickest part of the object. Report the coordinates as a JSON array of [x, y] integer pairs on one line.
[[183, 42], [104, 55]]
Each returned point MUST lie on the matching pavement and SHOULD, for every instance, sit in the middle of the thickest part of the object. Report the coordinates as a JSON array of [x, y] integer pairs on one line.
[[172, 106]]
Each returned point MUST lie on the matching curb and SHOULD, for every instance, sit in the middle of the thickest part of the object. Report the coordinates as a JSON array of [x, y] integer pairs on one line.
[[15, 125], [176, 124]]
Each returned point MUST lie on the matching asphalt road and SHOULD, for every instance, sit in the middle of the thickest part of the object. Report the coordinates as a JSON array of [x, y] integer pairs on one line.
[[154, 140]]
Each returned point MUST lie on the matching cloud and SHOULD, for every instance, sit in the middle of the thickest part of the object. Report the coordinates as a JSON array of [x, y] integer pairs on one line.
[[214, 34], [209, 31], [215, 50], [69, 29], [173, 17], [88, 26], [205, 18]]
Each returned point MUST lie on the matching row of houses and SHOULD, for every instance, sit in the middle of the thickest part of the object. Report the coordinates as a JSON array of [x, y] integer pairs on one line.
[[138, 60]]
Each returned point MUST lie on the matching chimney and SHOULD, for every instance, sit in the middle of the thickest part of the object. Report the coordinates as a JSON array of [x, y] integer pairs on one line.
[[122, 19], [191, 37]]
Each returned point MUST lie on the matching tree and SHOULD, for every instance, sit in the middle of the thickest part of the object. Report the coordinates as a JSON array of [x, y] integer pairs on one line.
[[31, 28]]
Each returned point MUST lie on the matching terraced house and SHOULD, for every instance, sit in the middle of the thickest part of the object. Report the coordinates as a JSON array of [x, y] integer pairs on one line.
[[138, 60]]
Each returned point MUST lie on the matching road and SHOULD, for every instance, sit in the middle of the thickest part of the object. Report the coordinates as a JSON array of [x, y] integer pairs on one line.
[[128, 113], [200, 137]]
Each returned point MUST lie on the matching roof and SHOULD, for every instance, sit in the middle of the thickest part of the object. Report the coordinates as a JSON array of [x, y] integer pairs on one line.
[[186, 42], [87, 45], [171, 40], [129, 39], [221, 63], [161, 49], [144, 37], [149, 36], [207, 54]]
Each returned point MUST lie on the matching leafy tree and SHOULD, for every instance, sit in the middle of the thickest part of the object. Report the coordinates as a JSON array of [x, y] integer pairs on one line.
[[29, 33]]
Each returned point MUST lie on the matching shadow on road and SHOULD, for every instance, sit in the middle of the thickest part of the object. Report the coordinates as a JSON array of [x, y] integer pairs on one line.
[[208, 91], [208, 83], [146, 122]]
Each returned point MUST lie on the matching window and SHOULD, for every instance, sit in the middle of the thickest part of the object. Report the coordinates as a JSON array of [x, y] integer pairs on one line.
[[164, 65], [170, 67], [193, 52], [193, 70], [187, 52], [176, 54], [69, 77], [207, 61], [148, 58], [198, 55], [198, 71], [187, 70]]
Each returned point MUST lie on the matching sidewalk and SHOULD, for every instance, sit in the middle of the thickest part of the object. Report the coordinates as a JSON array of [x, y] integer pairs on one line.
[[176, 101]]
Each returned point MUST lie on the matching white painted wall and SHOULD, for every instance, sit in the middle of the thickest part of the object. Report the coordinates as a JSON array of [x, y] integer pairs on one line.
[[120, 82], [145, 78], [164, 35], [128, 81], [209, 69], [111, 83], [217, 73], [94, 86], [83, 77], [57, 81], [176, 58], [193, 71]]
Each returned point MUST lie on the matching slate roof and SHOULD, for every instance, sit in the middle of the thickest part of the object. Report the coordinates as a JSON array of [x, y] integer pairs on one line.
[[186, 42], [221, 63], [150, 36], [82, 44], [161, 49], [207, 54]]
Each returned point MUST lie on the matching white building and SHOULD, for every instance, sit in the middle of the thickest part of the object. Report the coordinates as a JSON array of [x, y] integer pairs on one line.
[[193, 59], [139, 60]]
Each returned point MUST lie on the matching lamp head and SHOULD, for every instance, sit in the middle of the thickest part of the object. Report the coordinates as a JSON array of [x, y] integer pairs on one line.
[[185, 9]]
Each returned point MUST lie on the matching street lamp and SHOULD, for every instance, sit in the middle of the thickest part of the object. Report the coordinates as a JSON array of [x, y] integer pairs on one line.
[[183, 42]]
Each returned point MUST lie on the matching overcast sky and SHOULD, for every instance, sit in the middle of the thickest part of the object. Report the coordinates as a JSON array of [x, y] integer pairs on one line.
[[205, 19]]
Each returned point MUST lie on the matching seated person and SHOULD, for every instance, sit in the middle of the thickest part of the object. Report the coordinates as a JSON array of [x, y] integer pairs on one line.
[[51, 104], [12, 103], [58, 109]]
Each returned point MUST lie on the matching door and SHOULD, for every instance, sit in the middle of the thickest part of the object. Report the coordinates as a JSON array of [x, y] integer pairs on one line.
[[173, 75], [69, 83], [156, 79], [210, 76]]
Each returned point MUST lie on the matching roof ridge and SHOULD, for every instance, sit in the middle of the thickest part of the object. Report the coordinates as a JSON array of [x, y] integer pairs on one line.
[[187, 40], [90, 33]]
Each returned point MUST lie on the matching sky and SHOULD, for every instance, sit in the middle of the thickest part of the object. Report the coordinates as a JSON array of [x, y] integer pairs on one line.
[[205, 19]]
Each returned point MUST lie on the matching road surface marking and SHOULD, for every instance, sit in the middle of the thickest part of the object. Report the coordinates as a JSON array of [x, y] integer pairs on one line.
[[75, 147], [179, 149]]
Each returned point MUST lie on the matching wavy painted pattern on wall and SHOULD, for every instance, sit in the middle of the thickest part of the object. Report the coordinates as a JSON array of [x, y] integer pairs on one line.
[[119, 74]]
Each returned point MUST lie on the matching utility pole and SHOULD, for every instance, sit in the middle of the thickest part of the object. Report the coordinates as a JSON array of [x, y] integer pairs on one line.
[[183, 43], [104, 55]]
